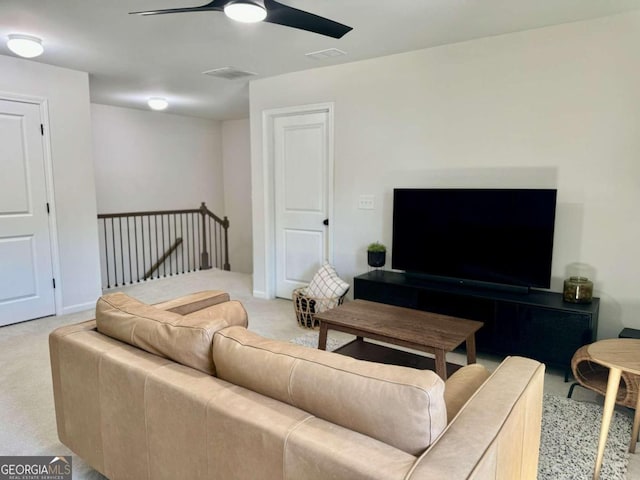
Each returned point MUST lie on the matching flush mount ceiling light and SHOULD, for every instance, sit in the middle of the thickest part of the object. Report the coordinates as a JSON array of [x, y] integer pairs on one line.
[[26, 46], [157, 103], [245, 11]]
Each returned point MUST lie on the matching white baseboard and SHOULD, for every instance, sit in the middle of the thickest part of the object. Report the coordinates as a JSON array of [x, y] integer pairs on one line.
[[260, 294], [80, 307]]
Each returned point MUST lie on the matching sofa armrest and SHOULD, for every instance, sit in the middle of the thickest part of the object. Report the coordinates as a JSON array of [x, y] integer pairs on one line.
[[497, 432], [460, 386], [193, 302], [73, 328]]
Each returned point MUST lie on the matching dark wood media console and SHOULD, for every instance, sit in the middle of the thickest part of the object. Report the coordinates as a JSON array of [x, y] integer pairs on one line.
[[537, 325]]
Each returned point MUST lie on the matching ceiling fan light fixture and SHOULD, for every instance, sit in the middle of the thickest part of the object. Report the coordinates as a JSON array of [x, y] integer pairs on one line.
[[157, 103], [26, 46], [245, 11]]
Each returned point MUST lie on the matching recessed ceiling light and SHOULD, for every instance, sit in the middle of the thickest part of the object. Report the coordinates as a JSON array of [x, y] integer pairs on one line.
[[26, 46], [157, 103], [245, 11]]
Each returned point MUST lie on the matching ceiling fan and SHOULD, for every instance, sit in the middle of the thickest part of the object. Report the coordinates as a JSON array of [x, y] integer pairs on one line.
[[265, 10]]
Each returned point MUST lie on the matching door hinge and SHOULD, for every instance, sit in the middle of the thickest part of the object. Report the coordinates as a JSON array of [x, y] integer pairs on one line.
[[48, 208], [42, 129], [54, 282]]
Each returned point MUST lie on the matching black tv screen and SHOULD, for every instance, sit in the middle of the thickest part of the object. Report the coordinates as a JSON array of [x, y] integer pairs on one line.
[[501, 236]]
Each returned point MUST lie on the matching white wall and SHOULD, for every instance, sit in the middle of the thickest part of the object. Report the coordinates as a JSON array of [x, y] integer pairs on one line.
[[67, 94], [156, 161], [159, 161], [236, 154], [553, 107]]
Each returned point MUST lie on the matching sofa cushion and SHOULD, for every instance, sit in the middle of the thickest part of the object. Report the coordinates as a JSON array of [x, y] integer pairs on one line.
[[400, 406], [186, 339]]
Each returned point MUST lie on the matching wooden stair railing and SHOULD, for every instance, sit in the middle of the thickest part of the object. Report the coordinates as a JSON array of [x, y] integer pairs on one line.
[[135, 243], [224, 223], [166, 255]]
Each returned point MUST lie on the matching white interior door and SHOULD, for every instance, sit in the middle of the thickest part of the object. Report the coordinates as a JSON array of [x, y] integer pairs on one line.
[[302, 197], [26, 273]]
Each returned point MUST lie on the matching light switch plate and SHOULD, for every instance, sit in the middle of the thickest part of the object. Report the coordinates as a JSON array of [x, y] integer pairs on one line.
[[366, 202]]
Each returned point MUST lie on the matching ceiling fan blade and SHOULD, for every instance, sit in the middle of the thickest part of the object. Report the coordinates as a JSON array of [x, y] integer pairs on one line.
[[216, 5], [292, 17], [276, 13]]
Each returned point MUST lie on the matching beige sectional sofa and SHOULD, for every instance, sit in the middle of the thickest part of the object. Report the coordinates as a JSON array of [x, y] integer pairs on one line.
[[182, 390]]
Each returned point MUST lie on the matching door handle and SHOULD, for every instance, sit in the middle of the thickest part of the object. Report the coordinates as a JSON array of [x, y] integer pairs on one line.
[[325, 221]]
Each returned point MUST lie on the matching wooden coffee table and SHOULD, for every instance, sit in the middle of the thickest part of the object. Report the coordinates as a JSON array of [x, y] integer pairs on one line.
[[405, 327]]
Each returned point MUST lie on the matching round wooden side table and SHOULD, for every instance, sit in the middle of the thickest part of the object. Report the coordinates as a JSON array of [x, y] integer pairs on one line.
[[618, 354]]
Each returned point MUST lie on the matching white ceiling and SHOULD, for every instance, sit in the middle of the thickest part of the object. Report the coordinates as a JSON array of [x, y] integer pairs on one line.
[[130, 57]]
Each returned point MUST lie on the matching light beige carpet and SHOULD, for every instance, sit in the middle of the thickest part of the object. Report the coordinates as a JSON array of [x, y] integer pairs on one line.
[[27, 419]]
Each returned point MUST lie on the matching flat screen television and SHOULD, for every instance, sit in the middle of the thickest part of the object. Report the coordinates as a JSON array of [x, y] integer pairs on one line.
[[501, 237]]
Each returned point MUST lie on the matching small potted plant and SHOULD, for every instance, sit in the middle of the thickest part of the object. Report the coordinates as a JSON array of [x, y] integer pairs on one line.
[[376, 254]]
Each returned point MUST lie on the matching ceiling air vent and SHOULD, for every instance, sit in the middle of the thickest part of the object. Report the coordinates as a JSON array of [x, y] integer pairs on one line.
[[229, 73], [324, 54]]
